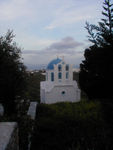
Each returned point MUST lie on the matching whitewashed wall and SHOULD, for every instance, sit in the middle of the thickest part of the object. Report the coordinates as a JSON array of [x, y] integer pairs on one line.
[[51, 91], [55, 95]]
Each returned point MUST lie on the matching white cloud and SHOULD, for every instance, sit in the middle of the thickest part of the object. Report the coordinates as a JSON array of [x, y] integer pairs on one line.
[[67, 15], [33, 21], [67, 47], [33, 42], [13, 9]]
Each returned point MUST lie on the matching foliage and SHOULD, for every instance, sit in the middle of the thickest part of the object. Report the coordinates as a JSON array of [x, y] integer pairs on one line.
[[12, 73], [33, 86], [96, 70], [102, 34], [76, 76], [25, 129], [70, 126]]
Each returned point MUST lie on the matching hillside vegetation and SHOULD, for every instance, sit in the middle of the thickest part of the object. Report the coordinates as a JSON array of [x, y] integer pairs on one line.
[[71, 126]]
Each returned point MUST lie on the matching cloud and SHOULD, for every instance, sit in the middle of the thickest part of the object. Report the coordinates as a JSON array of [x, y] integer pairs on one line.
[[13, 9], [67, 46], [33, 17], [46, 50], [33, 42], [33, 23], [65, 43], [71, 14]]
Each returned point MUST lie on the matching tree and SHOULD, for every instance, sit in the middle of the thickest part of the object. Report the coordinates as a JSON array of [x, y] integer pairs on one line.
[[12, 73], [96, 71], [102, 34], [33, 86]]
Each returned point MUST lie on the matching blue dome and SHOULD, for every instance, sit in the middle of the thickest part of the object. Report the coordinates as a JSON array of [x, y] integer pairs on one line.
[[52, 63]]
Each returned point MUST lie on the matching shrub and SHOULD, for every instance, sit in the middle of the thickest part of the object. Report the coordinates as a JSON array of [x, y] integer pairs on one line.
[[64, 126]]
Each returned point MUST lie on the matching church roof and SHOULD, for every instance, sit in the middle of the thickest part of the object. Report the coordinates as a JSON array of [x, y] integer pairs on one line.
[[52, 63]]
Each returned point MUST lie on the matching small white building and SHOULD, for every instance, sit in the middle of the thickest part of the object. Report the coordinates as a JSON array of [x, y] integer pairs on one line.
[[59, 85]]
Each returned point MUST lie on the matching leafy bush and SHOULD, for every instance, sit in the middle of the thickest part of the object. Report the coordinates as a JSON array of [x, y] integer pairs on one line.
[[66, 126]]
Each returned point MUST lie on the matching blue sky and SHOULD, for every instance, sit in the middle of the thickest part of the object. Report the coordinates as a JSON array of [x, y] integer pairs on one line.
[[46, 29]]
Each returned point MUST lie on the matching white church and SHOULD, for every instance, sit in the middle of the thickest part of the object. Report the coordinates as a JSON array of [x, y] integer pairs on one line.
[[59, 85]]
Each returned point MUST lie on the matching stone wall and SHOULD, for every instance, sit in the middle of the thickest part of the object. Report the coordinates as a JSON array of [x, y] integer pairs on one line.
[[32, 113], [32, 110], [9, 136], [9, 139]]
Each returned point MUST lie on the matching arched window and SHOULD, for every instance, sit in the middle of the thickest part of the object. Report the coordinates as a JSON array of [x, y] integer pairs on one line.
[[60, 75], [59, 68], [67, 75], [52, 76], [67, 67]]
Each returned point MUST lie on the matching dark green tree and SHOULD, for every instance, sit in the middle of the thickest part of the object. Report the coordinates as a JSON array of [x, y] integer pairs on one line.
[[33, 86], [96, 71], [12, 73]]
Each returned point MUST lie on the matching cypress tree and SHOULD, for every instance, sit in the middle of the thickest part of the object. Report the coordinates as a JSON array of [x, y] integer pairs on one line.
[[96, 71]]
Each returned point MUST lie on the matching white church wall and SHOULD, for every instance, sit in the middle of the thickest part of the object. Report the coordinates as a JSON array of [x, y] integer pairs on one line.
[[52, 88], [71, 72], [63, 71], [56, 94]]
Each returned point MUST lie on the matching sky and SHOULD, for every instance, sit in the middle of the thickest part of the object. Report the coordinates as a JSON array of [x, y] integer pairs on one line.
[[46, 29]]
